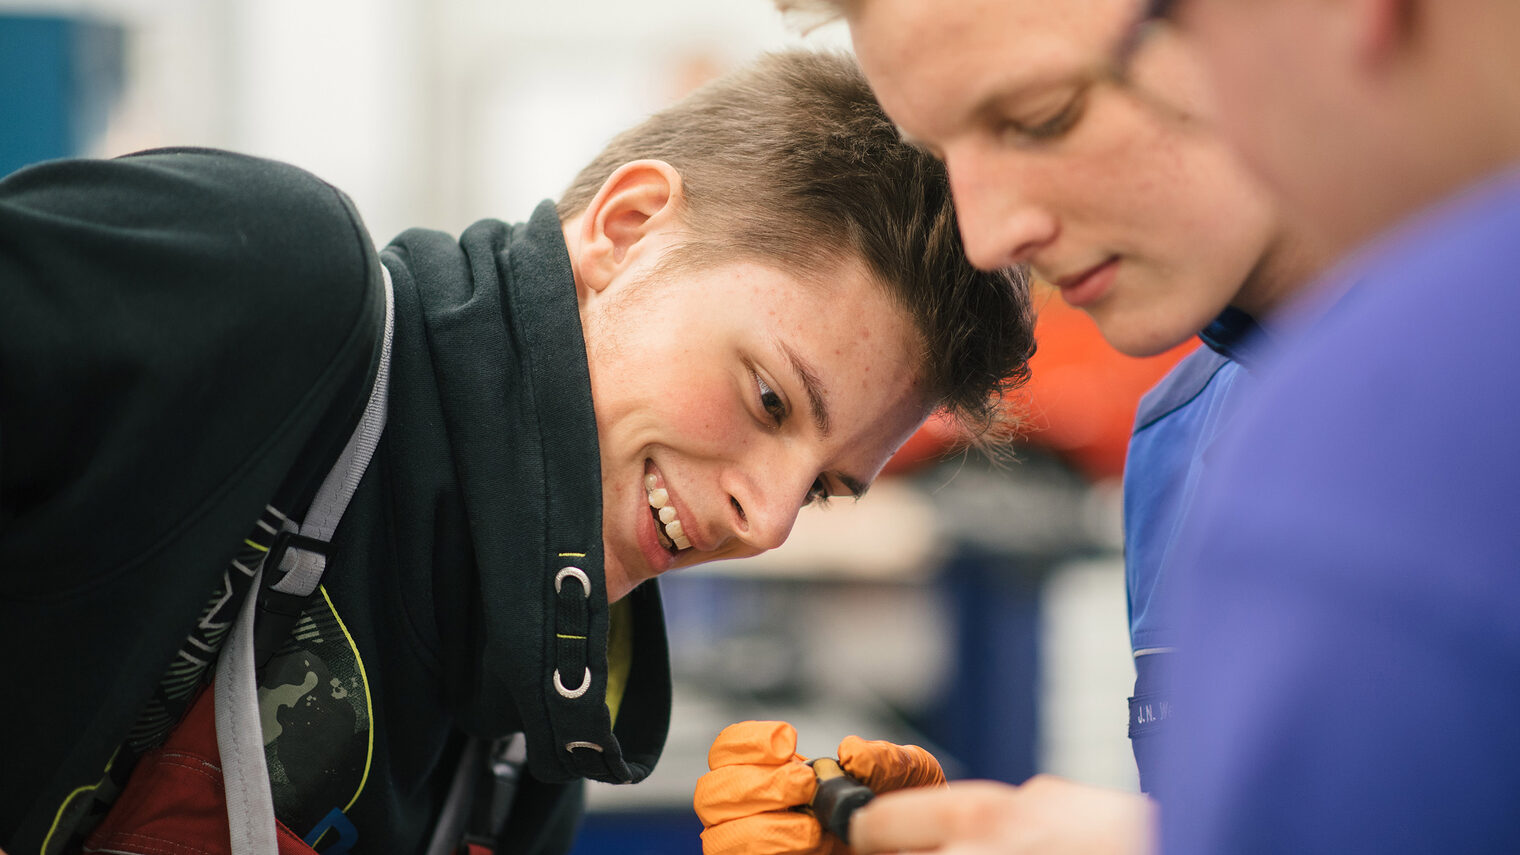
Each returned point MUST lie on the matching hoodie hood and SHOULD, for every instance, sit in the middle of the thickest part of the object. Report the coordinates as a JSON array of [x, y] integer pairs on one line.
[[522, 603]]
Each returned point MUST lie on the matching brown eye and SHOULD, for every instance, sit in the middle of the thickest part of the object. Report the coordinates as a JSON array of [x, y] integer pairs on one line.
[[770, 401]]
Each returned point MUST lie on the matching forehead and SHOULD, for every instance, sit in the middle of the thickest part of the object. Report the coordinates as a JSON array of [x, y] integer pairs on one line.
[[856, 340], [842, 304], [938, 59], [841, 301], [1029, 27]]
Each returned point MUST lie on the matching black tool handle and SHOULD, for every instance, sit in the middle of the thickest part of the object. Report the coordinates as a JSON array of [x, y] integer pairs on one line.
[[837, 797]]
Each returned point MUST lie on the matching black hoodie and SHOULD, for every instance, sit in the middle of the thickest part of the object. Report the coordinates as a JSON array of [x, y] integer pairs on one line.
[[439, 614]]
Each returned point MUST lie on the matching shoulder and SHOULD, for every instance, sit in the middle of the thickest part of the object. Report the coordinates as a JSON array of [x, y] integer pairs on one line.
[[1416, 346], [148, 182], [181, 226], [1181, 386], [186, 167], [1388, 410]]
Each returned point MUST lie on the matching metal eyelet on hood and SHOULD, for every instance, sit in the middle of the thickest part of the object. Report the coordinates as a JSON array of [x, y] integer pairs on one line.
[[575, 692], [574, 573]]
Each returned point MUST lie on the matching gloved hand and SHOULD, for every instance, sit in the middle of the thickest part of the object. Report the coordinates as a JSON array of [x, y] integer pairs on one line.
[[745, 802], [884, 766]]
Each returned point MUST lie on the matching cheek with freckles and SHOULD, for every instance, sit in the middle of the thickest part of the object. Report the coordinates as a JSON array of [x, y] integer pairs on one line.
[[706, 415]]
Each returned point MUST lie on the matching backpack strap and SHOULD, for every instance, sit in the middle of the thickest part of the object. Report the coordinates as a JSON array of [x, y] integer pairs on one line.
[[303, 557], [479, 801]]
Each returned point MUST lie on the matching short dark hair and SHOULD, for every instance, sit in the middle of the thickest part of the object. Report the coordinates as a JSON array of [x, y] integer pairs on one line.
[[790, 161]]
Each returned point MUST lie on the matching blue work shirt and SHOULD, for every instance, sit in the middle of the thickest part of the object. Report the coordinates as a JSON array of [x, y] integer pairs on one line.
[[1349, 661], [1175, 424]]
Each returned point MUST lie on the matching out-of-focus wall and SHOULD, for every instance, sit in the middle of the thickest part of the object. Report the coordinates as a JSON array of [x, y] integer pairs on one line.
[[427, 112]]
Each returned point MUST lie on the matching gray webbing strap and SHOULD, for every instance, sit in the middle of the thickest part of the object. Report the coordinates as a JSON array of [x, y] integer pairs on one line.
[[304, 568], [240, 739], [239, 734], [452, 820], [468, 814]]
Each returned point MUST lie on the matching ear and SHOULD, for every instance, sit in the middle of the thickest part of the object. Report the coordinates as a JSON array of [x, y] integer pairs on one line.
[[638, 203]]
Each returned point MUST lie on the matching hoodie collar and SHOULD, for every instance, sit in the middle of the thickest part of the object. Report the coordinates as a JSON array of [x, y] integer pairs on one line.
[[524, 441]]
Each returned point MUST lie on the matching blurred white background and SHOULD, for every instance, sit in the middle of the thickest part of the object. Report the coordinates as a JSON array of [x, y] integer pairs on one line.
[[428, 113]]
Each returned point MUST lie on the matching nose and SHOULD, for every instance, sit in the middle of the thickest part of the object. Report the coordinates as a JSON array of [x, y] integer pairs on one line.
[[1001, 221], [763, 503]]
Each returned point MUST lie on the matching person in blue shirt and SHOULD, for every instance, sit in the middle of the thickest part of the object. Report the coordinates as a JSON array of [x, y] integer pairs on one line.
[[1176, 424], [1140, 216], [1351, 624], [1116, 192]]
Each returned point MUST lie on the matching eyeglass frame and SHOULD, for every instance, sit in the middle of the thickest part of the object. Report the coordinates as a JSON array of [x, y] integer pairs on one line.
[[1155, 14]]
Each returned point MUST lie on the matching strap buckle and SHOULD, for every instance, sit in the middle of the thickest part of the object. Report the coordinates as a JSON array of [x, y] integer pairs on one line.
[[283, 542], [279, 611]]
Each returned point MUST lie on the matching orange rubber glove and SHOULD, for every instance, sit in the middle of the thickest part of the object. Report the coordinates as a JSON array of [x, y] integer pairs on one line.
[[746, 802]]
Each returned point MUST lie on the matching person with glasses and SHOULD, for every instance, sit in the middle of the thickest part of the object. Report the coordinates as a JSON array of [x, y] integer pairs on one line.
[[1353, 668], [1080, 143]]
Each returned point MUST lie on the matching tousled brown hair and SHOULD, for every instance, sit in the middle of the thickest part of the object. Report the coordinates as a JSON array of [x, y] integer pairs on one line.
[[790, 161]]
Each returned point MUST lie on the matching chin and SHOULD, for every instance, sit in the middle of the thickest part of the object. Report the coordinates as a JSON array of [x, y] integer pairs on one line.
[[620, 579], [1146, 343], [618, 584], [1152, 333]]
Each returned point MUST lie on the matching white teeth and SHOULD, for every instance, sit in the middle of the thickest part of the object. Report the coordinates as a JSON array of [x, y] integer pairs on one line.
[[659, 499]]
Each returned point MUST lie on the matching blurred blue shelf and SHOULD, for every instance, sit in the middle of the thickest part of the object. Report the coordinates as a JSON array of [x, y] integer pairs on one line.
[[646, 832], [59, 77]]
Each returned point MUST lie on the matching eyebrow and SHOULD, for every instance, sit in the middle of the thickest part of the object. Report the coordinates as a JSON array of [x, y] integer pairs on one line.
[[817, 403]]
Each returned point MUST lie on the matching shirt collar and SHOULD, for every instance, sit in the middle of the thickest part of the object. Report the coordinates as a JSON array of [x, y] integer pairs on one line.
[[1235, 335]]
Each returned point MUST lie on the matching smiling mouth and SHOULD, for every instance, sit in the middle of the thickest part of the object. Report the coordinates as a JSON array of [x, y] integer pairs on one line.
[[667, 526]]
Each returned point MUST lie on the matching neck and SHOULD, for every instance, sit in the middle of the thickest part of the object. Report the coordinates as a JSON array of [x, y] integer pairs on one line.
[[1450, 111], [1286, 268]]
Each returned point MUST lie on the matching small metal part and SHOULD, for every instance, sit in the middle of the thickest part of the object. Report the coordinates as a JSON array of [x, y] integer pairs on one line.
[[837, 798]]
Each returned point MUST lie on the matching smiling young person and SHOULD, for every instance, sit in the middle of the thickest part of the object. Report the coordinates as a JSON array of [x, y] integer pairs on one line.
[[1109, 181], [805, 327], [742, 307]]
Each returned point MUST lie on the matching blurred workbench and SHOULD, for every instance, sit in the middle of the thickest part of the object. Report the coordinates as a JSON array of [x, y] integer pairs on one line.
[[974, 609]]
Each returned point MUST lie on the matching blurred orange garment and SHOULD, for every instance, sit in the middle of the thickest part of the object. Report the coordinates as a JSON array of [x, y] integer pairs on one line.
[[1080, 399], [1082, 393]]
